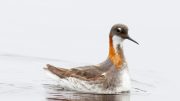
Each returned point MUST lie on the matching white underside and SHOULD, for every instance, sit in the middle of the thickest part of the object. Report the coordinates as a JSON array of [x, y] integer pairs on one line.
[[71, 83]]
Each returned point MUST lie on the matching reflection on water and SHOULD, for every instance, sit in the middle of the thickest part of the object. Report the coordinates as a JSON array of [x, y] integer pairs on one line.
[[17, 82], [55, 93]]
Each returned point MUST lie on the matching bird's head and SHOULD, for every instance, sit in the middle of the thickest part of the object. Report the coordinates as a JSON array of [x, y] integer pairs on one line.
[[119, 32]]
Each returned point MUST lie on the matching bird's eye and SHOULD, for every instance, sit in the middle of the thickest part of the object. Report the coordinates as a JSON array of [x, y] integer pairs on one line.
[[119, 29]]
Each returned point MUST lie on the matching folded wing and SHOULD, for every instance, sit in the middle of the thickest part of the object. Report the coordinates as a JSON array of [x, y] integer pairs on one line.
[[88, 73]]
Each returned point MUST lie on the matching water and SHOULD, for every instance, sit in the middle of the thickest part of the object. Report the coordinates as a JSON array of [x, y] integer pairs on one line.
[[22, 79]]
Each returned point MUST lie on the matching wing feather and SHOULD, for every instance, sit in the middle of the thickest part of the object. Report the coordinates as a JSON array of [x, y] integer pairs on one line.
[[88, 73]]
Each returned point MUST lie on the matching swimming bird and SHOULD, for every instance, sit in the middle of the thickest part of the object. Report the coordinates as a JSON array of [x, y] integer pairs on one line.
[[109, 77]]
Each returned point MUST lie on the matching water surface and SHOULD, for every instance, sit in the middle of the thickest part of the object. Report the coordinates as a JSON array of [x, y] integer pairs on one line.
[[22, 78]]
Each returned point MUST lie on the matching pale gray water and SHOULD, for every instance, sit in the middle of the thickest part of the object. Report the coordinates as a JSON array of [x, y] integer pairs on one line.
[[77, 30], [22, 79]]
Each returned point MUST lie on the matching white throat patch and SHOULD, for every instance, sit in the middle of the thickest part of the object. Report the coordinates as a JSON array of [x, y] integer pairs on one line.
[[117, 41]]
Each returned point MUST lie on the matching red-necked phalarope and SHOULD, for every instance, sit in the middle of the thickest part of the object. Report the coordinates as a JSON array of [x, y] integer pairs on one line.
[[108, 77]]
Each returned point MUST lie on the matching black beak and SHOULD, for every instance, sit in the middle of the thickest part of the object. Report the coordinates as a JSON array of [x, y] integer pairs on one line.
[[129, 38]]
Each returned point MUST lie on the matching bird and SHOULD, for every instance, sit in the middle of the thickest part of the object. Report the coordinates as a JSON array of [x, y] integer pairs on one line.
[[108, 77]]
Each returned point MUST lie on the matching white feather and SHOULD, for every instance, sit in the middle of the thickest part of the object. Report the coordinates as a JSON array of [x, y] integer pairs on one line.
[[117, 40], [71, 83], [125, 84]]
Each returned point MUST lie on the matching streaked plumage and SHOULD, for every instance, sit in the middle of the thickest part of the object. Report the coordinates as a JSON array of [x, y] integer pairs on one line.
[[110, 76]]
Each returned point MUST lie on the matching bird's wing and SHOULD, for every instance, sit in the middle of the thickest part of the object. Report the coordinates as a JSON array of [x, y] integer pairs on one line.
[[88, 73]]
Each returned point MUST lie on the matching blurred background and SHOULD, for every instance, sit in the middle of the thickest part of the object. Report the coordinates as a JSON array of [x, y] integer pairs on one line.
[[77, 31]]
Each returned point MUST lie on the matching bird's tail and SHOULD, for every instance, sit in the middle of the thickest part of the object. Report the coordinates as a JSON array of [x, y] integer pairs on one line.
[[54, 71]]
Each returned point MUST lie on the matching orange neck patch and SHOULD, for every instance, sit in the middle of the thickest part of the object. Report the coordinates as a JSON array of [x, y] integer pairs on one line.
[[116, 57]]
